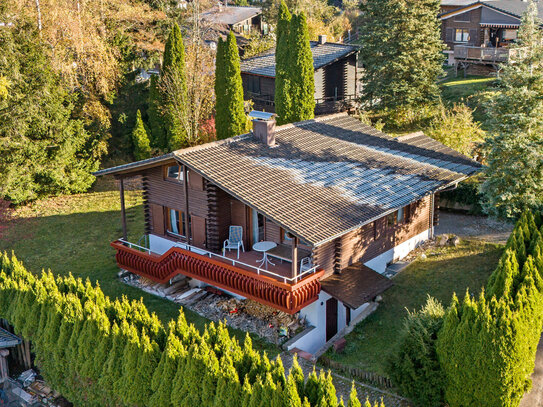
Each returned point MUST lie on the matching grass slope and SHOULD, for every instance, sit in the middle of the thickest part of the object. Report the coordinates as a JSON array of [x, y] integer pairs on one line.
[[459, 89], [446, 270], [72, 234]]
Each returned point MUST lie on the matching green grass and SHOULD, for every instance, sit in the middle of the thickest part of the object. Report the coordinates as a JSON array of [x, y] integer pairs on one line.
[[446, 270], [459, 89], [72, 234]]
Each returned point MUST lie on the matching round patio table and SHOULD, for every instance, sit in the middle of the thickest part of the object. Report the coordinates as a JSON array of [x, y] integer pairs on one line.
[[264, 247]]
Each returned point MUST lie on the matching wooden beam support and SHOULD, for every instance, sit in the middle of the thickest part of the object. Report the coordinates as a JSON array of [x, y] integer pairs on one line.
[[294, 256], [186, 192], [123, 211]]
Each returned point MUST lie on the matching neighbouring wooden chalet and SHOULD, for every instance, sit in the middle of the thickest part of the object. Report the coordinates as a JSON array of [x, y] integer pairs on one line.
[[336, 77], [478, 33], [330, 201], [240, 19]]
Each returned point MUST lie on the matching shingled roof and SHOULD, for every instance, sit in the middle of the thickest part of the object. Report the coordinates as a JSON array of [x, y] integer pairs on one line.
[[515, 8], [326, 176], [323, 54], [230, 15]]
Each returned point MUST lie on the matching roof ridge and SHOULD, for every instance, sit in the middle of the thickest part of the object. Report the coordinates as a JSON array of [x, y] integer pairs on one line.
[[205, 146], [317, 119]]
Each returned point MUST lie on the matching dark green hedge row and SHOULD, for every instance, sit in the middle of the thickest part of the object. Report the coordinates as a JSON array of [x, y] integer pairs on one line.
[[480, 351], [102, 352]]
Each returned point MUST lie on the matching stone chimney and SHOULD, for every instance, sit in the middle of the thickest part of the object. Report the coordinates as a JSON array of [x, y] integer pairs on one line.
[[264, 127], [322, 39]]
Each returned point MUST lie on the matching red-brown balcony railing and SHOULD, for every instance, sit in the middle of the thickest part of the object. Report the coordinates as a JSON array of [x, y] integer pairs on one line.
[[286, 297]]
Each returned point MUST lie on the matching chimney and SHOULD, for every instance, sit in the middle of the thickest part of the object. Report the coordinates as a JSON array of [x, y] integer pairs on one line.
[[322, 39], [264, 127]]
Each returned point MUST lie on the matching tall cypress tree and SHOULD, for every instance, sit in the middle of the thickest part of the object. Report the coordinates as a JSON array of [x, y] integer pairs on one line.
[[233, 120], [173, 73], [140, 139], [156, 123], [402, 52], [282, 61], [300, 72]]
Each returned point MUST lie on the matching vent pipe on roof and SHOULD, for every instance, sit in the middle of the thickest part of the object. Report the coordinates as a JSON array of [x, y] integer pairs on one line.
[[322, 39], [264, 127]]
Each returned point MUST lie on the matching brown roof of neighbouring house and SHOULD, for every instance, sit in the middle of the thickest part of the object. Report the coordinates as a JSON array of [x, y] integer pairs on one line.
[[356, 285], [326, 176], [323, 54], [230, 15]]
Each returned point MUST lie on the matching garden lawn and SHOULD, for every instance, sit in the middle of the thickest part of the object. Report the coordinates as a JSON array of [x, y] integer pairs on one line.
[[72, 234], [444, 271], [456, 90]]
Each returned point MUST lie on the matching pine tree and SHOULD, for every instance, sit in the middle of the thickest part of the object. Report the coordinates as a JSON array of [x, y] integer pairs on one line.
[[402, 52], [301, 74], [282, 62], [327, 390], [232, 120], [156, 123], [298, 375], [291, 393], [140, 139], [173, 85], [514, 176]]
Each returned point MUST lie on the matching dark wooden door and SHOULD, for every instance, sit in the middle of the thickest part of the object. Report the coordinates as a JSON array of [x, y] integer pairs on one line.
[[331, 318], [238, 215], [198, 231]]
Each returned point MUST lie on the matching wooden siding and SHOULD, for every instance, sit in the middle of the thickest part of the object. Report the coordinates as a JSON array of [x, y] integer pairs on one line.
[[371, 240], [273, 232], [473, 26], [171, 194]]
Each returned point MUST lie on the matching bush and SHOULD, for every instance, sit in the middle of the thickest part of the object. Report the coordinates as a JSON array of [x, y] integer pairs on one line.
[[466, 193], [413, 365], [456, 129]]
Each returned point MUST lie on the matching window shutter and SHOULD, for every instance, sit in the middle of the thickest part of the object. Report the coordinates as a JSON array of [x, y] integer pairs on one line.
[[449, 35], [157, 218], [472, 36]]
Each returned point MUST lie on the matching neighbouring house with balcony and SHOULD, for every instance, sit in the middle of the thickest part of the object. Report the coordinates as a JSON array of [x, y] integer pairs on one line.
[[312, 213], [337, 74], [478, 33]]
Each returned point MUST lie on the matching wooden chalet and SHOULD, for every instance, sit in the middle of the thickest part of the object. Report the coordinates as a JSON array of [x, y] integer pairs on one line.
[[337, 199], [239, 19], [336, 77], [480, 32]]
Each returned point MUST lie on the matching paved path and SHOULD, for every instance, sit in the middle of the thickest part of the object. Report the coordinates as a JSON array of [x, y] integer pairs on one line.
[[535, 396], [476, 227]]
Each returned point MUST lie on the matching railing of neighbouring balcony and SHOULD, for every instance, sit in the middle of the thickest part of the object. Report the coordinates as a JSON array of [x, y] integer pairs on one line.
[[233, 262]]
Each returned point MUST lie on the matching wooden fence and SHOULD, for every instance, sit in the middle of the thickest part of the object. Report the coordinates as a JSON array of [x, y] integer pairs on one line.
[[356, 373]]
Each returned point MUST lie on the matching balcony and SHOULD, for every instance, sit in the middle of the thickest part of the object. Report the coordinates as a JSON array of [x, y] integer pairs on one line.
[[485, 54], [288, 294]]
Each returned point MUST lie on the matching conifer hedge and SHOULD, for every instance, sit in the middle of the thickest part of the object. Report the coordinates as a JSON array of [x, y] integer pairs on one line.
[[487, 345], [102, 352]]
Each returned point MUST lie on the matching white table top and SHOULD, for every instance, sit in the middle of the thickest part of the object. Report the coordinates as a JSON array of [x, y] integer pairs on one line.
[[264, 246]]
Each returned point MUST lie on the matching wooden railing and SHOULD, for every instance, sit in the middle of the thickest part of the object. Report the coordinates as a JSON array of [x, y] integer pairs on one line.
[[289, 298], [485, 54]]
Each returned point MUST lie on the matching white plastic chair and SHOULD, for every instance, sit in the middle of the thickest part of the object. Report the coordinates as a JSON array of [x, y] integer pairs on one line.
[[305, 264], [234, 241]]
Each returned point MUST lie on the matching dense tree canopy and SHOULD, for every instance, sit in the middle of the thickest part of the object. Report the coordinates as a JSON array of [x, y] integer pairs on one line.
[[514, 146], [43, 148], [402, 52]]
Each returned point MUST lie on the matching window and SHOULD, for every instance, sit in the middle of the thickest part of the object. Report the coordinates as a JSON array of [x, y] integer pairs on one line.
[[392, 218], [253, 84], [174, 173], [461, 35], [401, 216], [465, 17], [176, 222]]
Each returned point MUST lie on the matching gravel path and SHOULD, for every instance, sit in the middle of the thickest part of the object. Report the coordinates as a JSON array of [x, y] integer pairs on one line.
[[477, 227], [343, 385]]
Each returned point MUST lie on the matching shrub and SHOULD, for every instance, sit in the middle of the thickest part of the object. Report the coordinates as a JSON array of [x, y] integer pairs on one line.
[[414, 365]]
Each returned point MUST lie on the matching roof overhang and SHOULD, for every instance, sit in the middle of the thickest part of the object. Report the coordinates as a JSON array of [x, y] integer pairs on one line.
[[137, 166], [461, 10]]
